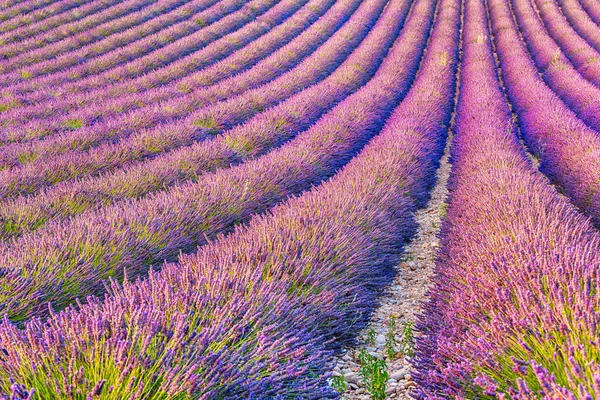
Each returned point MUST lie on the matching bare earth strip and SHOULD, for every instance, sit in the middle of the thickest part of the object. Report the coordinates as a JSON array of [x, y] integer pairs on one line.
[[403, 299]]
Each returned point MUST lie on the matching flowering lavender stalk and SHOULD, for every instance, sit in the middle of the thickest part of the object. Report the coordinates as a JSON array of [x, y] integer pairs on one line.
[[581, 22], [585, 58], [263, 36], [186, 36], [198, 126], [135, 235], [254, 138], [255, 315], [483, 335], [566, 147], [78, 33], [559, 74]]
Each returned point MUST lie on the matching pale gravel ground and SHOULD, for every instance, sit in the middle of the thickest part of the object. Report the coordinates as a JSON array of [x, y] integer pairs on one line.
[[403, 299]]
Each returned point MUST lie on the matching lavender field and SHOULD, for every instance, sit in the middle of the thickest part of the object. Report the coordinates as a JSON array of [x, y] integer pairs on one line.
[[299, 199]]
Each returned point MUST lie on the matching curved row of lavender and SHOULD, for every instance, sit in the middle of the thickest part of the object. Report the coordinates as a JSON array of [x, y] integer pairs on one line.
[[139, 26], [591, 7], [172, 100], [581, 54], [173, 18], [268, 129], [258, 313], [199, 125], [55, 22], [117, 16], [140, 56], [565, 145], [27, 12], [69, 259], [513, 309], [216, 51], [112, 35], [254, 40], [582, 96], [50, 118], [581, 21]]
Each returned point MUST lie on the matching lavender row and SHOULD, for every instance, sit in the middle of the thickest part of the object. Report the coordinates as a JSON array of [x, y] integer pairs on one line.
[[168, 32], [269, 129], [30, 11], [276, 293], [257, 39], [581, 22], [12, 8], [188, 94], [47, 24], [26, 106], [567, 148], [200, 125], [559, 74], [581, 54], [164, 60], [135, 235], [76, 34], [513, 297], [174, 18], [592, 9]]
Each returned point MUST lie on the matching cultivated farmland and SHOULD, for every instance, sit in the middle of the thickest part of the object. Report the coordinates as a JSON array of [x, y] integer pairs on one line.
[[299, 199]]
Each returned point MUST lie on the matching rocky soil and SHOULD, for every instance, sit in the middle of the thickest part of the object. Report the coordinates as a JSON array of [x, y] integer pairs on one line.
[[402, 301]]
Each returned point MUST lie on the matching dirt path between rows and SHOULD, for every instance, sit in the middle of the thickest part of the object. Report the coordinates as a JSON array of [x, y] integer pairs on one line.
[[402, 301]]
